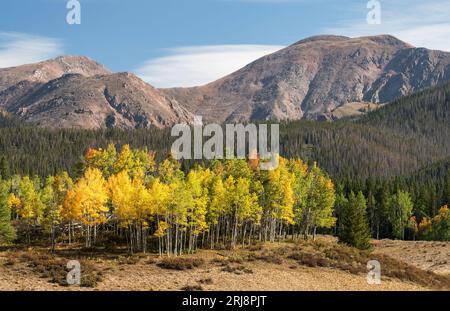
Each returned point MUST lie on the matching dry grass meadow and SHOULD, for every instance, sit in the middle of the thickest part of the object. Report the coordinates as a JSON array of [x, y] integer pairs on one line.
[[291, 266]]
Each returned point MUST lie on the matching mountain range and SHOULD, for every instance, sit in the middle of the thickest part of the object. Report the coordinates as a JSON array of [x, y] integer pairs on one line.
[[319, 78]]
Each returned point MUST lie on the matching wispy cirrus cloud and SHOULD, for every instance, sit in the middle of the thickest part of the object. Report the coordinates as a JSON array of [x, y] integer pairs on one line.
[[19, 48], [198, 65], [421, 23]]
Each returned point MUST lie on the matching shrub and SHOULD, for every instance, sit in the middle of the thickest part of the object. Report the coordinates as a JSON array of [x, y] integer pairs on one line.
[[192, 288], [180, 263], [206, 281], [237, 269], [54, 269]]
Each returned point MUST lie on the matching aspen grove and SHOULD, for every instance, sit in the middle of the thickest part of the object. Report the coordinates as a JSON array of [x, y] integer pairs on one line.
[[128, 195]]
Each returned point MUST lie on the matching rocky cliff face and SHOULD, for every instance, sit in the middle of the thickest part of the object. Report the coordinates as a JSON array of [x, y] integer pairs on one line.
[[313, 77]]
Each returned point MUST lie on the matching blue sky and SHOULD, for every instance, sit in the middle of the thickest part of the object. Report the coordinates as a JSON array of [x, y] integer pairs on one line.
[[191, 42]]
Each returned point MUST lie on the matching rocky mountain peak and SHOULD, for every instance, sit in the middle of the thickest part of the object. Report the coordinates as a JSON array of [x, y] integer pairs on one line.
[[317, 75]]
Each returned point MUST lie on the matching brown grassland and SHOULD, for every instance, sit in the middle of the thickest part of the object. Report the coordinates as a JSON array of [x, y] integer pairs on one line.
[[300, 266]]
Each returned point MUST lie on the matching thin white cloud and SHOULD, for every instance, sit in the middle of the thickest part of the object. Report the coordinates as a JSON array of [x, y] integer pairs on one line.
[[19, 48], [198, 65], [421, 23]]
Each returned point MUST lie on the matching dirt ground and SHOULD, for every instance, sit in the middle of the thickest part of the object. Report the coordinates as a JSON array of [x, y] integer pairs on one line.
[[431, 256], [144, 273]]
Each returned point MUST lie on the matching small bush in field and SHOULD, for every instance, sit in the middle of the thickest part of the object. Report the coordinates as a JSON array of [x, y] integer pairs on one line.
[[180, 263], [55, 269], [192, 288], [206, 281], [237, 269]]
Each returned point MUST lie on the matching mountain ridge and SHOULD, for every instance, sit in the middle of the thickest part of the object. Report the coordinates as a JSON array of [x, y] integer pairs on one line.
[[316, 75], [77, 92], [309, 79]]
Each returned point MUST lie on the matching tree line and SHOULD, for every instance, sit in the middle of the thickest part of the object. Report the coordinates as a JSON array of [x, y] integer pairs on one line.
[[131, 196], [399, 208], [128, 194], [395, 140]]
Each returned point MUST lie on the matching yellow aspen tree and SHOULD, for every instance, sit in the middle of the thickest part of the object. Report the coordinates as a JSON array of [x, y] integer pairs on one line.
[[105, 160], [280, 200], [159, 196], [144, 163], [256, 210], [180, 218], [169, 170], [102, 159], [121, 195], [242, 201], [109, 157], [53, 195], [92, 157], [130, 200], [198, 182], [320, 203], [92, 191], [217, 208], [125, 161], [52, 210], [325, 218], [178, 203], [143, 205], [14, 203], [71, 210], [31, 209], [227, 221], [301, 185]]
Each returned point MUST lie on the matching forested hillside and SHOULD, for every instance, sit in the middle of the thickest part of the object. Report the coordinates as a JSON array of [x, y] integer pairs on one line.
[[390, 167], [395, 140], [398, 139], [36, 151]]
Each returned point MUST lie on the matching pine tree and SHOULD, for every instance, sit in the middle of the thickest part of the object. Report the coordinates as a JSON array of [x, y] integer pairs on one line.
[[447, 189], [355, 229], [7, 232], [4, 168], [340, 207]]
